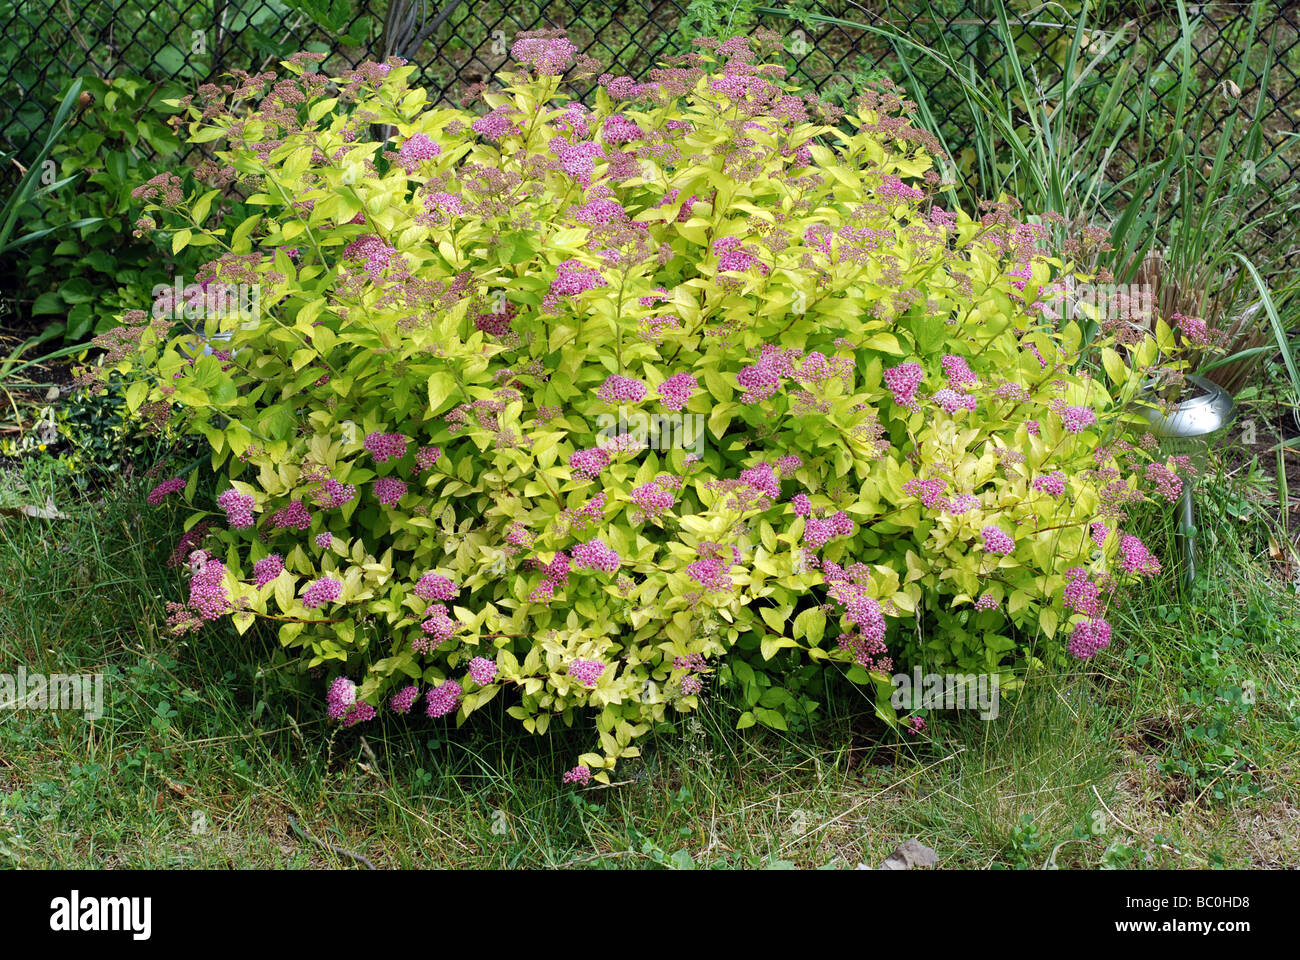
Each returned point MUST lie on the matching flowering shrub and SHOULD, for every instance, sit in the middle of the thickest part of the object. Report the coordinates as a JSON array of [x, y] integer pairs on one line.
[[418, 481]]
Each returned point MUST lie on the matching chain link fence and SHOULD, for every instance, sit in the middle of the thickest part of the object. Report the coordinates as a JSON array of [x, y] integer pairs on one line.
[[180, 43]]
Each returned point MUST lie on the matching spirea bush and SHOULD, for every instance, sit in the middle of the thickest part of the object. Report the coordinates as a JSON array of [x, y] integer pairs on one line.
[[457, 448]]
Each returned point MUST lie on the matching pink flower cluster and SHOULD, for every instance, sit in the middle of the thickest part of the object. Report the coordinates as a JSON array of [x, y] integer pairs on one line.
[[599, 213], [596, 555], [164, 489], [986, 602], [951, 400], [376, 254], [868, 652], [1077, 419], [859, 608], [627, 442], [496, 124], [443, 699], [763, 378], [802, 505], [433, 586], [1025, 273], [962, 503], [958, 372], [734, 256], [442, 206], [675, 392], [817, 368], [482, 671], [322, 591], [589, 463], [267, 569], [578, 160], [692, 661], [1051, 483], [295, 516], [586, 672], [1136, 558], [819, 237], [436, 624], [208, 593], [340, 698], [903, 381], [426, 457], [894, 190], [416, 150], [711, 571], [619, 129], [817, 532], [548, 56], [1089, 637], [572, 279], [389, 490], [656, 497], [997, 541], [557, 571], [1081, 595], [336, 494], [403, 700], [360, 713], [580, 775], [1011, 391], [1167, 483], [618, 389], [1194, 329], [762, 478], [385, 446], [929, 492], [238, 507]]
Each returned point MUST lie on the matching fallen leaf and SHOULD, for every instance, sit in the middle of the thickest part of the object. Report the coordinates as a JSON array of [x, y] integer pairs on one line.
[[47, 512]]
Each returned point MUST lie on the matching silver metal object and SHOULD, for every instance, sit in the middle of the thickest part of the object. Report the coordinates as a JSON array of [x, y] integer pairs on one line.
[[1187, 430]]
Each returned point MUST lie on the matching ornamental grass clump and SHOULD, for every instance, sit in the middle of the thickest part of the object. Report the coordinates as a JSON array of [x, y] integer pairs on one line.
[[416, 483]]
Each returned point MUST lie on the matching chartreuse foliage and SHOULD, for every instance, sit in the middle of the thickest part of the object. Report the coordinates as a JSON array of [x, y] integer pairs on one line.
[[450, 319]]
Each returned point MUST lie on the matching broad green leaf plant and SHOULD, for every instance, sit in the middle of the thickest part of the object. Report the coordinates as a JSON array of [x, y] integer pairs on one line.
[[585, 405]]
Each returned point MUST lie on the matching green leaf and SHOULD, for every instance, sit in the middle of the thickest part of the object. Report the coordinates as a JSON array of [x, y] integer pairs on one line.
[[48, 302], [442, 387], [774, 618], [135, 395], [810, 624]]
